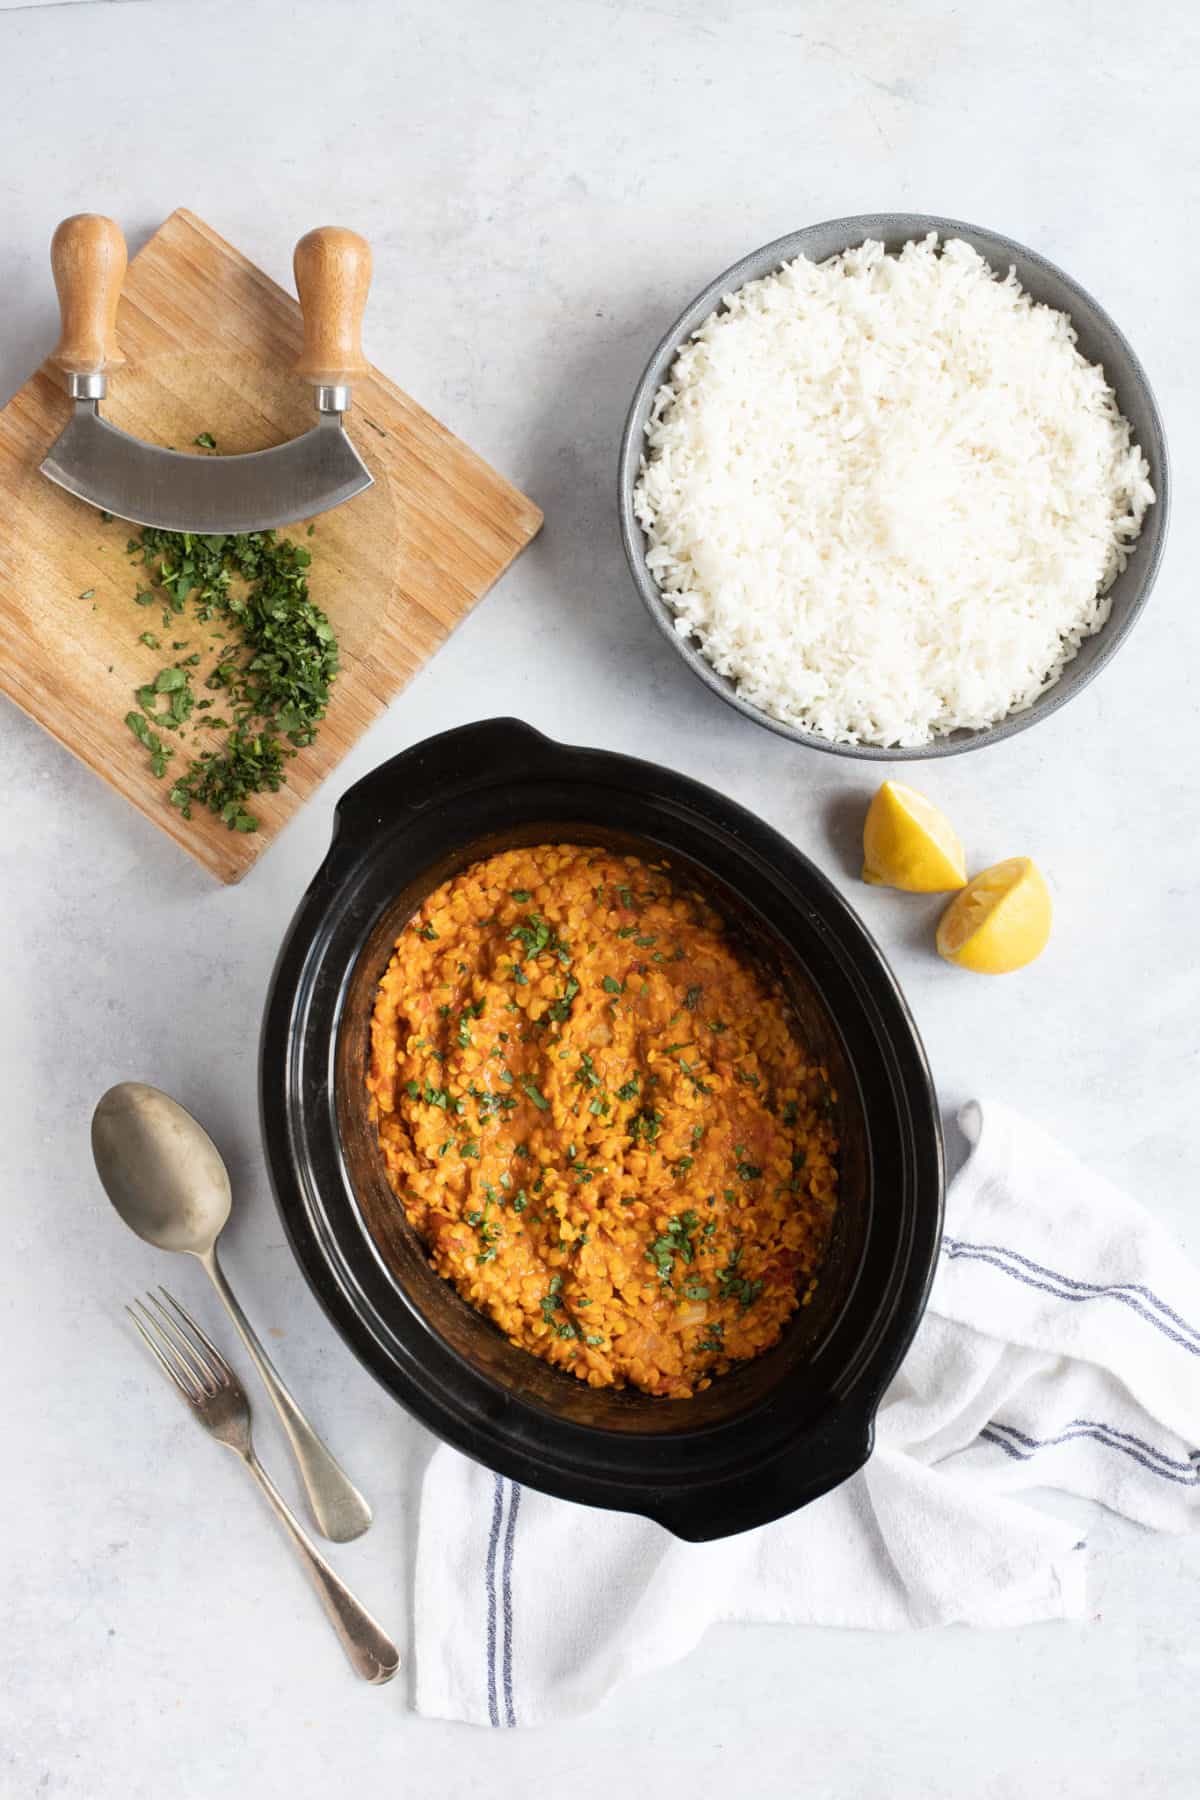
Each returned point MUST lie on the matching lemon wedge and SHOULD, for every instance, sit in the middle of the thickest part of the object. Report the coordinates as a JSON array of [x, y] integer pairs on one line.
[[1000, 921], [909, 844]]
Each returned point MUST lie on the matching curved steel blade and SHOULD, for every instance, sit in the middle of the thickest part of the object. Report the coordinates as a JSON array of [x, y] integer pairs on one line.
[[205, 494]]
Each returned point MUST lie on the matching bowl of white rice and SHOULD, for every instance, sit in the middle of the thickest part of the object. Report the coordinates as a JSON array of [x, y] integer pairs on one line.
[[894, 486]]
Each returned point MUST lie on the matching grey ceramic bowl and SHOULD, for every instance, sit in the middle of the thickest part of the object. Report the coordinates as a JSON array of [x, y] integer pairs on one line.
[[1099, 341]]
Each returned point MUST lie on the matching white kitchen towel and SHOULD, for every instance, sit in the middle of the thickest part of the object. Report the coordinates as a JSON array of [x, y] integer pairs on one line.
[[1061, 1349]]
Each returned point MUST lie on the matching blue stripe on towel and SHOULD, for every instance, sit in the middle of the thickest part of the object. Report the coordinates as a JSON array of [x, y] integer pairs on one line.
[[1122, 1437], [1065, 1287], [1154, 1460], [510, 1712], [490, 1588]]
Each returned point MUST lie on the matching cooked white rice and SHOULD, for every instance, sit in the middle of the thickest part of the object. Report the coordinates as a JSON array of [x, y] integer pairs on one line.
[[887, 495]]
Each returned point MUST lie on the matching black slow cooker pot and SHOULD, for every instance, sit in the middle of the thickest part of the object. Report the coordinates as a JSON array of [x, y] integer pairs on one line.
[[762, 1440]]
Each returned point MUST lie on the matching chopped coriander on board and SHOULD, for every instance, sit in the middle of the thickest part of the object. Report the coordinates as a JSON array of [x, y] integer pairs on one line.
[[276, 658]]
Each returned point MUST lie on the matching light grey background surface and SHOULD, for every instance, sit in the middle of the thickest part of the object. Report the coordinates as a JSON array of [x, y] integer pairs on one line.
[[544, 188]]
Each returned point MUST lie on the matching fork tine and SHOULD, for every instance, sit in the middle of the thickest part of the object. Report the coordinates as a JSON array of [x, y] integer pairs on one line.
[[179, 1377], [183, 1346], [222, 1367]]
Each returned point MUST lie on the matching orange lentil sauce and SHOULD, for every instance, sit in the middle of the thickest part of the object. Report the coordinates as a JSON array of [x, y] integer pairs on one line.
[[596, 1115]]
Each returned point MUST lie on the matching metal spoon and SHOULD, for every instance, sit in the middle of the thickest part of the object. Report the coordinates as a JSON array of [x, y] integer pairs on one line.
[[165, 1177]]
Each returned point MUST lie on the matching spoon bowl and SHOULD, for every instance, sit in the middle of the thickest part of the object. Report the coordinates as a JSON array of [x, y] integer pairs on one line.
[[166, 1179], [161, 1170]]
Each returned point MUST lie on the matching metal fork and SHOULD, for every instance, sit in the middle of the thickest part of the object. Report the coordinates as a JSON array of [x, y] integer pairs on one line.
[[196, 1368]]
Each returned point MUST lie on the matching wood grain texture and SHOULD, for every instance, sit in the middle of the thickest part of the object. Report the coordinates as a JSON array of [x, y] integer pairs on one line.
[[88, 260], [332, 271], [211, 342]]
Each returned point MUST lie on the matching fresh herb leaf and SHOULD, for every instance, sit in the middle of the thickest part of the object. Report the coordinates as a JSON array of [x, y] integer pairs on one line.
[[734, 1285], [675, 1242], [645, 1126], [275, 668], [560, 1009]]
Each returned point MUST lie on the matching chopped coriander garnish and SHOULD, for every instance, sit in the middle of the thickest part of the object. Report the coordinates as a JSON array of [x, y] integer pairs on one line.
[[733, 1284], [275, 669], [159, 753], [645, 1126], [205, 440], [560, 1009], [535, 1093], [674, 1242]]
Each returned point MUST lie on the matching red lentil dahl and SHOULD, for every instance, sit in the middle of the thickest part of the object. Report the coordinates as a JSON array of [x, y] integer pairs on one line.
[[596, 1115]]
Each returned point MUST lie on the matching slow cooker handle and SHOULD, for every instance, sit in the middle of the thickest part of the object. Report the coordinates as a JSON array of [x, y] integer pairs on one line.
[[820, 1463], [484, 754]]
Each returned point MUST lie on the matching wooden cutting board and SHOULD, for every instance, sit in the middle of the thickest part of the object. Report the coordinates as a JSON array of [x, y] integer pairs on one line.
[[209, 341]]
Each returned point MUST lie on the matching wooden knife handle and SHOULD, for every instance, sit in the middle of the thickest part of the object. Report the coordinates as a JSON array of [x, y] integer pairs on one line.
[[87, 255], [333, 273]]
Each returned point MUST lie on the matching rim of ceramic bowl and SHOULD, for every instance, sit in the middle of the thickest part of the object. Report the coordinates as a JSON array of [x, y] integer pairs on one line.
[[1123, 371]]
